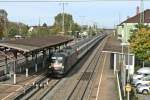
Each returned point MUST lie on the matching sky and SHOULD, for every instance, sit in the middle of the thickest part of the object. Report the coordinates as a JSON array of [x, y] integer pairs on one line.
[[104, 13]]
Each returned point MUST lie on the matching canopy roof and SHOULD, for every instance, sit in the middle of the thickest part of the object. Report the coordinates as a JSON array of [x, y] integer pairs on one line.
[[36, 43]]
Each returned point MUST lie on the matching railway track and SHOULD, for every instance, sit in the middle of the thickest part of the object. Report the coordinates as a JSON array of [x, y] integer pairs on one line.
[[43, 92], [78, 81], [32, 87], [78, 92], [38, 88], [45, 87]]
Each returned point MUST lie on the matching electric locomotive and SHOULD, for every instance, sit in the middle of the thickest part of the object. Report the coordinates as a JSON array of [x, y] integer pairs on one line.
[[62, 61]]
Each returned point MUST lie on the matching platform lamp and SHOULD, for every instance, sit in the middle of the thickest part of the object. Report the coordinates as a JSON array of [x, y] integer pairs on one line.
[[128, 78], [123, 69]]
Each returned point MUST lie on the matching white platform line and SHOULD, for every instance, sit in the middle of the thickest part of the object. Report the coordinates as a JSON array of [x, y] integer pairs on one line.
[[100, 79], [118, 53]]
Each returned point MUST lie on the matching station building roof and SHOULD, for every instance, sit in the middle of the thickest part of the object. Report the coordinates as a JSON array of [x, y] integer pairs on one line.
[[36, 43], [136, 18]]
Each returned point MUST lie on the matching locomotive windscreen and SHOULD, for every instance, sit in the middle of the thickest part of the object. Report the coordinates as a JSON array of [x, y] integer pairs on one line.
[[59, 59]]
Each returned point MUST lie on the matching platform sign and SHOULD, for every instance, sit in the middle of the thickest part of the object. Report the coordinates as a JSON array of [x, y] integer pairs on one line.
[[128, 87]]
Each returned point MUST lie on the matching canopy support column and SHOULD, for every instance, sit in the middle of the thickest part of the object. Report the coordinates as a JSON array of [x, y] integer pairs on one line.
[[27, 63], [49, 53], [15, 66], [44, 58], [6, 64], [35, 61]]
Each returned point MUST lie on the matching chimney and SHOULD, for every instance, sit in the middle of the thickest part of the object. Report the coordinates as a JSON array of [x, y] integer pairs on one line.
[[137, 10]]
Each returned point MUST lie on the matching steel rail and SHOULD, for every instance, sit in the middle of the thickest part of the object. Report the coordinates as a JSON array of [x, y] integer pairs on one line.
[[48, 90], [93, 60], [31, 88], [91, 77]]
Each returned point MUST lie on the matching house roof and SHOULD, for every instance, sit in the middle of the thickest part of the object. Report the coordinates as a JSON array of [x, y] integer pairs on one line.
[[136, 18]]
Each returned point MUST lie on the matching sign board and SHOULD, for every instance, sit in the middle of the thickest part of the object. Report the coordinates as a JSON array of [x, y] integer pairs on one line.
[[128, 87], [125, 44]]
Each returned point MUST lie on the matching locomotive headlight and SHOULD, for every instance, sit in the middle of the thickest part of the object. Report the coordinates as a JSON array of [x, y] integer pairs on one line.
[[63, 67], [50, 66]]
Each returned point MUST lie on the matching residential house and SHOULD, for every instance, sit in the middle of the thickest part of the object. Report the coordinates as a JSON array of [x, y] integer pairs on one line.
[[124, 28]]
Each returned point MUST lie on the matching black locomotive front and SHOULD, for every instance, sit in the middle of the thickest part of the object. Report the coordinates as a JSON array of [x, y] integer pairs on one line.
[[57, 64]]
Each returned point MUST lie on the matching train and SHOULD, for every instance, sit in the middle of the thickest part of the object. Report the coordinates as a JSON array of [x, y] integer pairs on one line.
[[61, 62]]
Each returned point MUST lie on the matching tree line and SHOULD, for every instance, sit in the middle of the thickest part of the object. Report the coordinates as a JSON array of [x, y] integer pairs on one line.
[[14, 28]]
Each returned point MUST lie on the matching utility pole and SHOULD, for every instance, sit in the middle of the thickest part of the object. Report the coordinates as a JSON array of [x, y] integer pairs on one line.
[[5, 27], [119, 18], [63, 18], [70, 26], [39, 21], [19, 28], [142, 17], [142, 12], [82, 21]]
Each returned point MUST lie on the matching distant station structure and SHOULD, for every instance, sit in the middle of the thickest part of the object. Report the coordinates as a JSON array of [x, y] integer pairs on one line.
[[30, 48]]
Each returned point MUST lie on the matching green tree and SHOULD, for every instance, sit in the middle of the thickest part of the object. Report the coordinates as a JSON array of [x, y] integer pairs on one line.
[[17, 29], [140, 44], [44, 25], [13, 32], [43, 31], [40, 31], [1, 27], [138, 27], [69, 24], [75, 28], [23, 29]]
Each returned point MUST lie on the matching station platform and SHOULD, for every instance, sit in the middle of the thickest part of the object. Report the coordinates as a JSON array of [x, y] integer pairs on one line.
[[8, 91], [25, 57], [105, 87]]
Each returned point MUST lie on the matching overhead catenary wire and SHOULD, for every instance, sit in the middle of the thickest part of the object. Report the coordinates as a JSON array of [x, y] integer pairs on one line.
[[33, 1], [142, 12]]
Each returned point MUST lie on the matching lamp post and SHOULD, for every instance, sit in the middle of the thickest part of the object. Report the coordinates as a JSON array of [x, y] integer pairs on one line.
[[63, 17], [124, 68], [128, 78]]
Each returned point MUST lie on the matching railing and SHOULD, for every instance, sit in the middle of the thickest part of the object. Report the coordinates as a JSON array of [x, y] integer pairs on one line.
[[118, 85]]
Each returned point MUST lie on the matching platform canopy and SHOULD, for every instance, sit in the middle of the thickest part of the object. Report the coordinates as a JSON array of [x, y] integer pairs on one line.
[[36, 43]]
